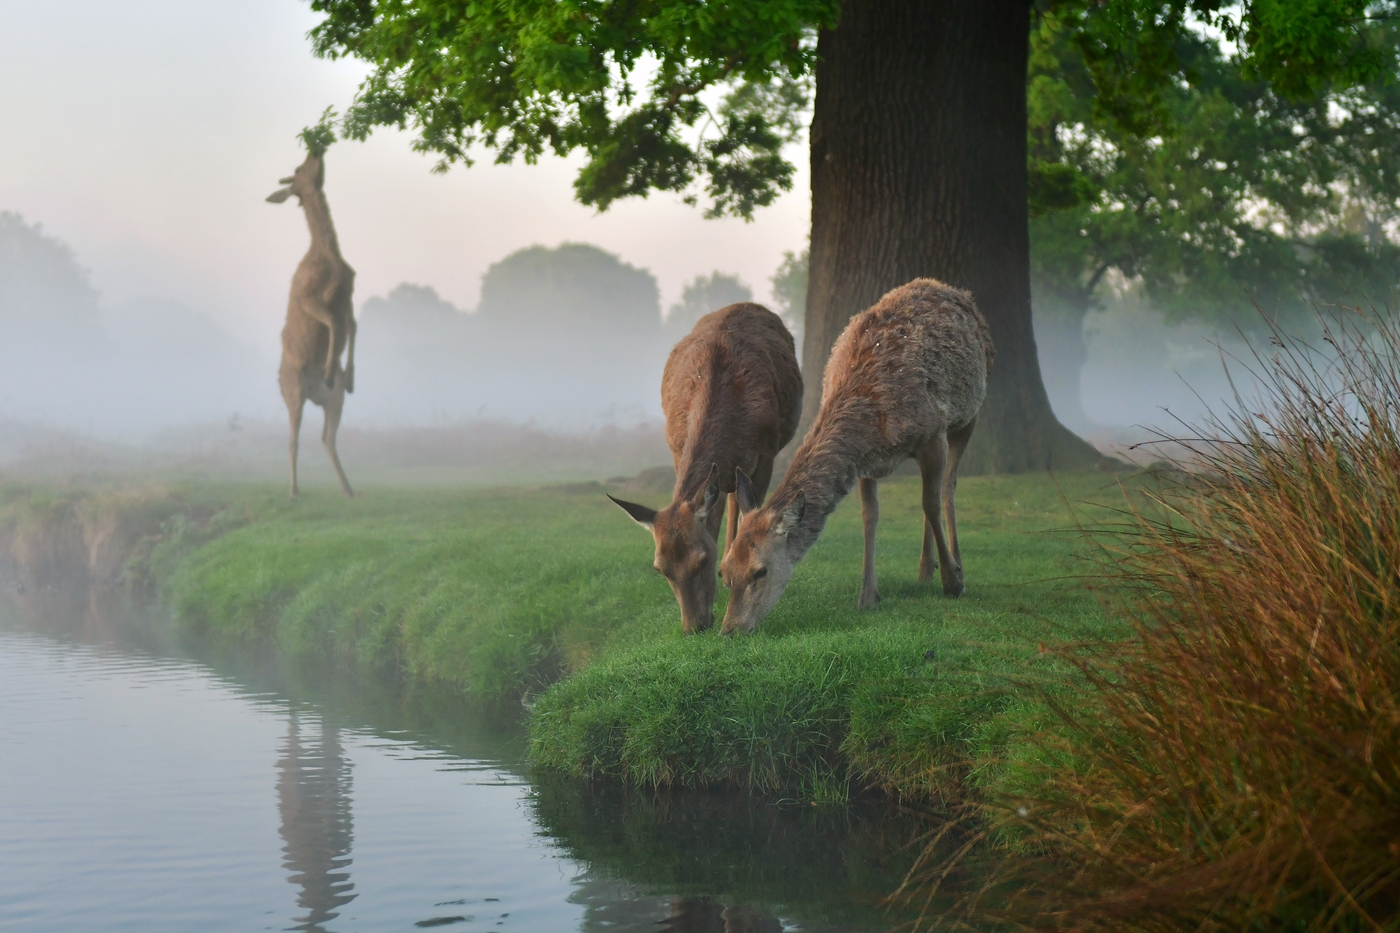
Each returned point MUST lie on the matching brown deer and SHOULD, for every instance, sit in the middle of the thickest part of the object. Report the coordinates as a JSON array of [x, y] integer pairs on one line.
[[732, 394], [906, 379], [320, 319]]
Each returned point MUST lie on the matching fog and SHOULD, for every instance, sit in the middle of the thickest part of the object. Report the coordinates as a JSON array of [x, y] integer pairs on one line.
[[143, 279], [560, 360]]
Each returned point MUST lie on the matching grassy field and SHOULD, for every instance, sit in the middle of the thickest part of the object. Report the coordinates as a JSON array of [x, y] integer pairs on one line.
[[549, 594]]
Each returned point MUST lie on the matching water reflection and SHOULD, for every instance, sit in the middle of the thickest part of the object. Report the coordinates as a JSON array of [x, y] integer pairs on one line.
[[702, 915], [449, 828], [313, 801]]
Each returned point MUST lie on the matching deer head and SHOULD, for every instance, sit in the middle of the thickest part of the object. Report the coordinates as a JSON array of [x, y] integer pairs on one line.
[[685, 550], [306, 180], [759, 563]]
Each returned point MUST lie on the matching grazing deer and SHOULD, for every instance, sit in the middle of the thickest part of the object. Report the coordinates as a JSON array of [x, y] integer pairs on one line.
[[320, 319], [906, 379], [732, 394]]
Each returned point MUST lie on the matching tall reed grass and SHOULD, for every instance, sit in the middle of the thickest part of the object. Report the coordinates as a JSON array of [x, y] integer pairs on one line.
[[1235, 765]]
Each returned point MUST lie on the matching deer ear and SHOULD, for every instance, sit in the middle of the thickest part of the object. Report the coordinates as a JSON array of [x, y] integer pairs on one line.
[[744, 492], [640, 514], [792, 516], [280, 195], [711, 494]]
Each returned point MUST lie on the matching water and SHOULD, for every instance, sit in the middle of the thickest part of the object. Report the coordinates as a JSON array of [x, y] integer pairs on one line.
[[147, 785]]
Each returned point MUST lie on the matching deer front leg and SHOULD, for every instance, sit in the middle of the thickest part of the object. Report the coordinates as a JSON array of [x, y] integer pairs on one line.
[[319, 313], [349, 353], [870, 516]]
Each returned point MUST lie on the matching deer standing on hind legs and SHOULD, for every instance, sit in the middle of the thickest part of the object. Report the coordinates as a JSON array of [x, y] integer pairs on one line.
[[906, 379], [732, 394], [320, 319]]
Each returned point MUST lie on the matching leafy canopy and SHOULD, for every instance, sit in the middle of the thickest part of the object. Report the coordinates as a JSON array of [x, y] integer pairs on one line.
[[689, 97], [624, 82], [1219, 189]]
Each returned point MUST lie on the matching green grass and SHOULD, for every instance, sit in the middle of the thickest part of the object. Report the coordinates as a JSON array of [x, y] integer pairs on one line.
[[912, 697], [549, 593], [491, 592]]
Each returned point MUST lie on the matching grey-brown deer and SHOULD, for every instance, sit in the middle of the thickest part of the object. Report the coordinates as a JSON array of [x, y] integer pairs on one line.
[[732, 395], [905, 379], [320, 319]]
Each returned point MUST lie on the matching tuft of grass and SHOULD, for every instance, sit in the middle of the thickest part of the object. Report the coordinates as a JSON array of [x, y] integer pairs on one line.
[[1236, 764]]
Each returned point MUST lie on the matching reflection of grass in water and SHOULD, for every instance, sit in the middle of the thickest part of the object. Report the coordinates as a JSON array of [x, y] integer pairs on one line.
[[819, 865]]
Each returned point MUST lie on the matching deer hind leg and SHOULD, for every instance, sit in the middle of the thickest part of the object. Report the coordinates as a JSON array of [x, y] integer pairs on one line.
[[957, 444], [335, 402], [296, 402], [870, 517], [933, 462]]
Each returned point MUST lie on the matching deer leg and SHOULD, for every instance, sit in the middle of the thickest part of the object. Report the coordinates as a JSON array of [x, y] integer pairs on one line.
[[731, 515], [322, 315], [333, 407], [933, 461], [957, 444], [349, 354], [870, 516], [762, 476], [295, 404]]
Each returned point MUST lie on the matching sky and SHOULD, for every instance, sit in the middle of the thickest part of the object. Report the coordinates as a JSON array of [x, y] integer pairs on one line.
[[146, 134]]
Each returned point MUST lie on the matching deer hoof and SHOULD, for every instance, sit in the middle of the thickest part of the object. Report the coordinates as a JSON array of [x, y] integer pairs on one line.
[[869, 599]]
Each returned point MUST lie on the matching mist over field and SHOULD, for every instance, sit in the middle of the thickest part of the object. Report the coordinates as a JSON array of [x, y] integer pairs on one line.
[[556, 371]]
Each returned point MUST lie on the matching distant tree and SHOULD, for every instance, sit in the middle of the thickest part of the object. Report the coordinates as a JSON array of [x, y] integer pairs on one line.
[[918, 135], [43, 290], [413, 326], [414, 306], [574, 286], [790, 291], [1238, 196], [703, 294]]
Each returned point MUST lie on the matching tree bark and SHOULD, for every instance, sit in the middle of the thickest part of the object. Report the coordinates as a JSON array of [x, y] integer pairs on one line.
[[919, 169]]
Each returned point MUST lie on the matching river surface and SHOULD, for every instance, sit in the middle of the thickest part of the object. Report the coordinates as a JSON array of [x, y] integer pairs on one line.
[[148, 784]]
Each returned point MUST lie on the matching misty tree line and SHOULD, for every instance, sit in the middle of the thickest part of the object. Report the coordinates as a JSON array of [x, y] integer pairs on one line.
[[68, 359], [567, 337], [571, 332]]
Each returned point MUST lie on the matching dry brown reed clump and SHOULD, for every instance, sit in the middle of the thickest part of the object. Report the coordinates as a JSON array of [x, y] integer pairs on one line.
[[1236, 764]]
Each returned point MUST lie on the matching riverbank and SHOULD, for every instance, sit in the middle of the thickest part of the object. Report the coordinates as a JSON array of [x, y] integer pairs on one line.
[[547, 594]]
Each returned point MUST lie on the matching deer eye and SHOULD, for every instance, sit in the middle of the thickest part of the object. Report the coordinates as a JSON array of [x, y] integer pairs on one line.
[[760, 573]]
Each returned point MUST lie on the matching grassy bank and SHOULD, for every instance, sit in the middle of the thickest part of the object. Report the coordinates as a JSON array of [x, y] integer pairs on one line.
[[548, 593], [507, 592], [906, 697]]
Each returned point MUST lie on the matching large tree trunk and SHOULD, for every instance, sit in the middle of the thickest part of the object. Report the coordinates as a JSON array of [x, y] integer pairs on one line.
[[919, 169]]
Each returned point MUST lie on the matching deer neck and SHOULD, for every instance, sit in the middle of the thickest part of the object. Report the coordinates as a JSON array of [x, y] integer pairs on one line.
[[822, 472], [711, 420], [318, 220]]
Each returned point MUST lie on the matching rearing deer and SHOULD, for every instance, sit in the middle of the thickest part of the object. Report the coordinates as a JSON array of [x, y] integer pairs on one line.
[[732, 394], [905, 379], [320, 318]]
